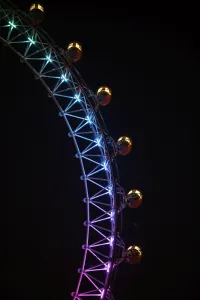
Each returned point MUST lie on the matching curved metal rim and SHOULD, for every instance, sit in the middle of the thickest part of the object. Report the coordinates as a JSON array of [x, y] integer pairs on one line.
[[105, 150]]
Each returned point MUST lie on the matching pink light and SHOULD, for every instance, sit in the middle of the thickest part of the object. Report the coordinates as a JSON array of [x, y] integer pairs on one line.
[[108, 267], [102, 293]]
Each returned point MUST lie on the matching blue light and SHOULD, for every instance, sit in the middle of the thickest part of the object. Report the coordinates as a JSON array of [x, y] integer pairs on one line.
[[88, 118], [98, 141], [105, 165]]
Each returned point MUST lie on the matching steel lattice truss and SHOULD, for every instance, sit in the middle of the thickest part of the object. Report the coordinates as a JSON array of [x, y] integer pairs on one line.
[[75, 103]]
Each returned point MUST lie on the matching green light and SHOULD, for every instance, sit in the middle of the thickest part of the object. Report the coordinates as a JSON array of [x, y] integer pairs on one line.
[[12, 25]]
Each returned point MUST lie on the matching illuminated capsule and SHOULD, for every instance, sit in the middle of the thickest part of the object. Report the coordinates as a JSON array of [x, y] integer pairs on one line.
[[104, 95], [134, 198], [36, 13], [124, 145], [74, 50], [133, 255]]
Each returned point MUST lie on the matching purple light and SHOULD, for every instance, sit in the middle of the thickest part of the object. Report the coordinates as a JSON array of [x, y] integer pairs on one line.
[[108, 267], [74, 92], [111, 241], [112, 215], [102, 293], [110, 190]]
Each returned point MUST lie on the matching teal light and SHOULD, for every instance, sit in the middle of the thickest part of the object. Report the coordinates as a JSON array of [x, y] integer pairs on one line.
[[12, 24], [48, 58], [31, 41]]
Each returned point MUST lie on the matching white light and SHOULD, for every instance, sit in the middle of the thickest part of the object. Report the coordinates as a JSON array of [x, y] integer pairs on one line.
[[105, 165], [110, 190], [31, 41], [98, 141], [77, 97], [12, 25], [108, 267], [112, 215], [48, 58], [111, 241], [64, 78], [88, 118], [102, 293]]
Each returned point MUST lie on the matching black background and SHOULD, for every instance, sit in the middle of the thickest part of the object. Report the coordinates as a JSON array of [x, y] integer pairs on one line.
[[150, 59]]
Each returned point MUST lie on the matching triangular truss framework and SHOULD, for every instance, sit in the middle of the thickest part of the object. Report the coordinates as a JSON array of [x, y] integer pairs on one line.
[[75, 103]]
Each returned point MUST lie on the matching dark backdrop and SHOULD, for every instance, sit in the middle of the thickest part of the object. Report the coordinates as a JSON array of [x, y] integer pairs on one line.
[[151, 61]]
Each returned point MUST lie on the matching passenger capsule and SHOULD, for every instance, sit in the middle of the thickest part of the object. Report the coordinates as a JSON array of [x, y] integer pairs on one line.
[[133, 255], [104, 95], [36, 13], [124, 145], [74, 50], [134, 198]]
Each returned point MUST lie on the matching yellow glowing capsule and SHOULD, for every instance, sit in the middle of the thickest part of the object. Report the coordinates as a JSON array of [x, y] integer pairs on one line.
[[74, 51], [124, 145], [133, 254], [36, 7], [104, 95], [36, 13], [134, 198]]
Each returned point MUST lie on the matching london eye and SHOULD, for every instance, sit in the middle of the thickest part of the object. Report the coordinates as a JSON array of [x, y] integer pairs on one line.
[[79, 107]]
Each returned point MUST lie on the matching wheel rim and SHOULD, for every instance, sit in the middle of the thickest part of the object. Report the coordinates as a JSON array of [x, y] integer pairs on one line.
[[75, 103]]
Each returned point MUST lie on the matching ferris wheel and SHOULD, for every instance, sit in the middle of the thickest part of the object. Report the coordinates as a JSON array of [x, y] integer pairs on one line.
[[105, 199]]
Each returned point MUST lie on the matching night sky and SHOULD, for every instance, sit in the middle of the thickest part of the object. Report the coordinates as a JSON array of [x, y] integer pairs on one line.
[[151, 61]]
